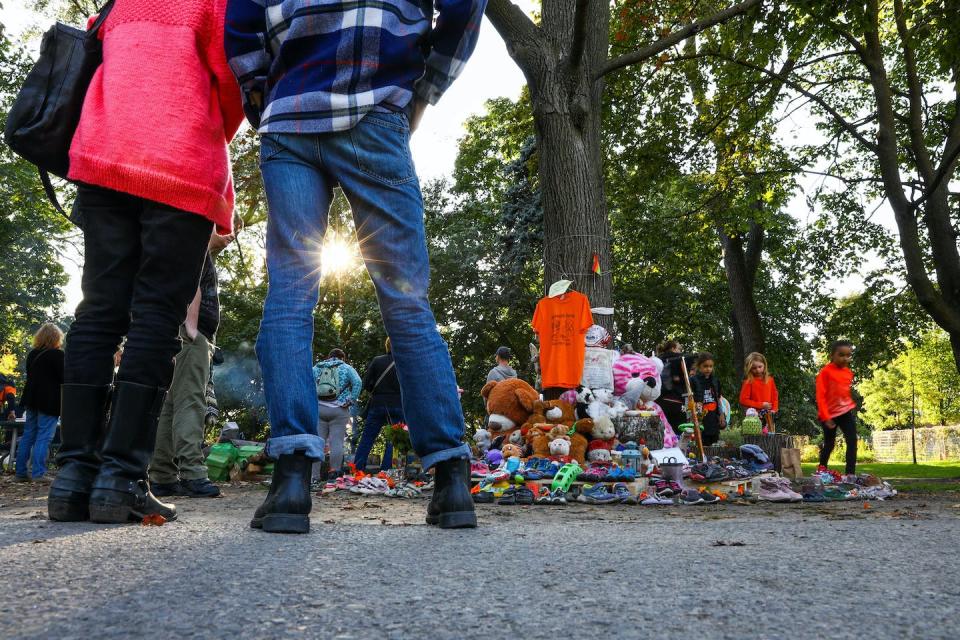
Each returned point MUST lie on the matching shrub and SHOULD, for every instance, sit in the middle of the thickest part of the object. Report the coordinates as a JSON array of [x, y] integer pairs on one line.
[[865, 453]]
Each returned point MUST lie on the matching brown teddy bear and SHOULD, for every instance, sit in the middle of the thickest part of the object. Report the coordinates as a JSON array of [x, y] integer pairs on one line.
[[510, 403], [580, 439]]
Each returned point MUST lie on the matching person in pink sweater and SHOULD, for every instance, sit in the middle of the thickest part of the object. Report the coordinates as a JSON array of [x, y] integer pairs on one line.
[[151, 164]]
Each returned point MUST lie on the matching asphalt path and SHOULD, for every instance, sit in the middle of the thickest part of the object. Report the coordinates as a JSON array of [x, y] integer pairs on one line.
[[370, 568]]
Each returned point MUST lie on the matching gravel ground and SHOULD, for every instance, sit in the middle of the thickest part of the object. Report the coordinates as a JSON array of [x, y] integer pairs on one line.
[[372, 569]]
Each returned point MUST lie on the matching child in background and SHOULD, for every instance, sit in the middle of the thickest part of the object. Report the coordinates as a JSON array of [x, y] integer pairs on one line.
[[759, 391], [835, 408], [706, 394]]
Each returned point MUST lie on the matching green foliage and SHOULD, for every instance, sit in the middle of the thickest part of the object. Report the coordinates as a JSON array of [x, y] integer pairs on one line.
[[924, 373], [865, 453]]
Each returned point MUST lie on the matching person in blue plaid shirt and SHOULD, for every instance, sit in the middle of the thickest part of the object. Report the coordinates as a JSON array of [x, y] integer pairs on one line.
[[335, 89]]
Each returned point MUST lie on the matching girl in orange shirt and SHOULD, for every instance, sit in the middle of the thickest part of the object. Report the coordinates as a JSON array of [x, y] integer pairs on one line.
[[759, 391]]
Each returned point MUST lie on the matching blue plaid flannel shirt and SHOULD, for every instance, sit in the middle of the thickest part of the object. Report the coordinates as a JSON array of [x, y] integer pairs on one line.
[[321, 65]]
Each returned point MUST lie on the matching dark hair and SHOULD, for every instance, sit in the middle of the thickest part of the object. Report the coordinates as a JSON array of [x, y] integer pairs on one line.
[[837, 344], [504, 353], [702, 357], [337, 353], [669, 345]]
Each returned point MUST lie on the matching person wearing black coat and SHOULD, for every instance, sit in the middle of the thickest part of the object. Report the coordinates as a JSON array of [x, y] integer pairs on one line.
[[41, 402], [383, 407]]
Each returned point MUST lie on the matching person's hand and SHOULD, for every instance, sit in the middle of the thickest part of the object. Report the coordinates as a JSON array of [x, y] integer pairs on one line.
[[218, 243], [767, 405], [416, 113], [830, 424]]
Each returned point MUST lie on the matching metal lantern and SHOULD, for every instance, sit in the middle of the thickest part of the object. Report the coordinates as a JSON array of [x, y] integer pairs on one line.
[[631, 457]]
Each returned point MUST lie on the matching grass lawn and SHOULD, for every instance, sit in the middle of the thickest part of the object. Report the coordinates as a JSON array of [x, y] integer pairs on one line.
[[926, 477]]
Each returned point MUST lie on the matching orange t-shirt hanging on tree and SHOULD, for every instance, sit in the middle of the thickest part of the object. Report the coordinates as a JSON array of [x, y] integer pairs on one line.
[[562, 323]]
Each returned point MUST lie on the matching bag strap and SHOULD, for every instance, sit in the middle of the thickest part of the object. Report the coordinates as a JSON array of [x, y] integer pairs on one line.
[[382, 376], [51, 193], [101, 18]]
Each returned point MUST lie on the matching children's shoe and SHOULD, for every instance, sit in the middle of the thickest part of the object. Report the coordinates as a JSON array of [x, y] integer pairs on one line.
[[509, 497], [787, 488], [543, 496], [524, 495], [648, 499], [690, 496], [708, 497], [597, 494], [770, 491], [484, 496], [479, 469], [558, 496], [623, 494]]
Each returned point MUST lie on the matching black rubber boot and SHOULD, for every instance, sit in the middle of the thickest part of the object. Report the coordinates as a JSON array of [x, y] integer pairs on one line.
[[452, 505], [83, 411], [121, 492], [286, 508]]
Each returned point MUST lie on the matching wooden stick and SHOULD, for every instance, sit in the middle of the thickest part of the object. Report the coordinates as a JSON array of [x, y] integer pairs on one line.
[[693, 409]]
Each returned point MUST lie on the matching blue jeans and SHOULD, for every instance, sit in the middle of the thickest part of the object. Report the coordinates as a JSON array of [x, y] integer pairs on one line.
[[373, 166], [38, 430], [377, 417]]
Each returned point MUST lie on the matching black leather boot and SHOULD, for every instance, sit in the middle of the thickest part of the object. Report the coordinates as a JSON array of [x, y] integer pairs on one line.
[[286, 508], [452, 505], [83, 411], [121, 491]]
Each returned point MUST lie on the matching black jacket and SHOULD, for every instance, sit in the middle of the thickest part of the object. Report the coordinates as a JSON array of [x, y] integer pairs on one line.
[[41, 392], [387, 393]]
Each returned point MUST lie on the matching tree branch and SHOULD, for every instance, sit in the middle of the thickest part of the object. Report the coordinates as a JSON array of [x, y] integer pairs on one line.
[[676, 37], [915, 122], [840, 120], [523, 38]]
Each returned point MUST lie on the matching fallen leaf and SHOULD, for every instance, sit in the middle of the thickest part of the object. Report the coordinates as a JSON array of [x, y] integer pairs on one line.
[[153, 520]]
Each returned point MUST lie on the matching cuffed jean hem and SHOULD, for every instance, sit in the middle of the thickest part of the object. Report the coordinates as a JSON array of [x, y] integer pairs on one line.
[[430, 460], [311, 444]]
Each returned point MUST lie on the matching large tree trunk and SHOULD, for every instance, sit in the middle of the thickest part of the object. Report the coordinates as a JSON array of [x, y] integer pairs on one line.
[[741, 265], [575, 219], [566, 113]]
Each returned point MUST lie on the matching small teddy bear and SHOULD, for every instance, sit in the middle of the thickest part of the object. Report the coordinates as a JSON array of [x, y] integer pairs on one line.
[[482, 439], [560, 449]]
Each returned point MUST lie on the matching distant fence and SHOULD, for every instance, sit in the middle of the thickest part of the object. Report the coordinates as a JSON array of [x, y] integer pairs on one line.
[[933, 444]]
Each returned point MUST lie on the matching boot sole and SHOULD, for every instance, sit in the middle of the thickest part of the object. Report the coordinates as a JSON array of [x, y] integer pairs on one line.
[[458, 520], [285, 523], [63, 510]]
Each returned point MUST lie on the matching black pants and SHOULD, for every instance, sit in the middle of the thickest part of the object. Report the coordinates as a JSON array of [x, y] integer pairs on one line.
[[847, 423], [711, 428], [673, 409], [142, 263]]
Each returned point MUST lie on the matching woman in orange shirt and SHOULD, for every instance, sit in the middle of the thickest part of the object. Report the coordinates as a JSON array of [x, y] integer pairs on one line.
[[759, 391]]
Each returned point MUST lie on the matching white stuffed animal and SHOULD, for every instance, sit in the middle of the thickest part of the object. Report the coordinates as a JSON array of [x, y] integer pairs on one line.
[[601, 404], [560, 447]]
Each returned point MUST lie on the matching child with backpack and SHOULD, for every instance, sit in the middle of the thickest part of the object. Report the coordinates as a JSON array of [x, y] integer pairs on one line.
[[338, 387]]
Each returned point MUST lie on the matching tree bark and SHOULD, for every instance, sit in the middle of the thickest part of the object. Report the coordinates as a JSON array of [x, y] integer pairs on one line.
[[741, 264]]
